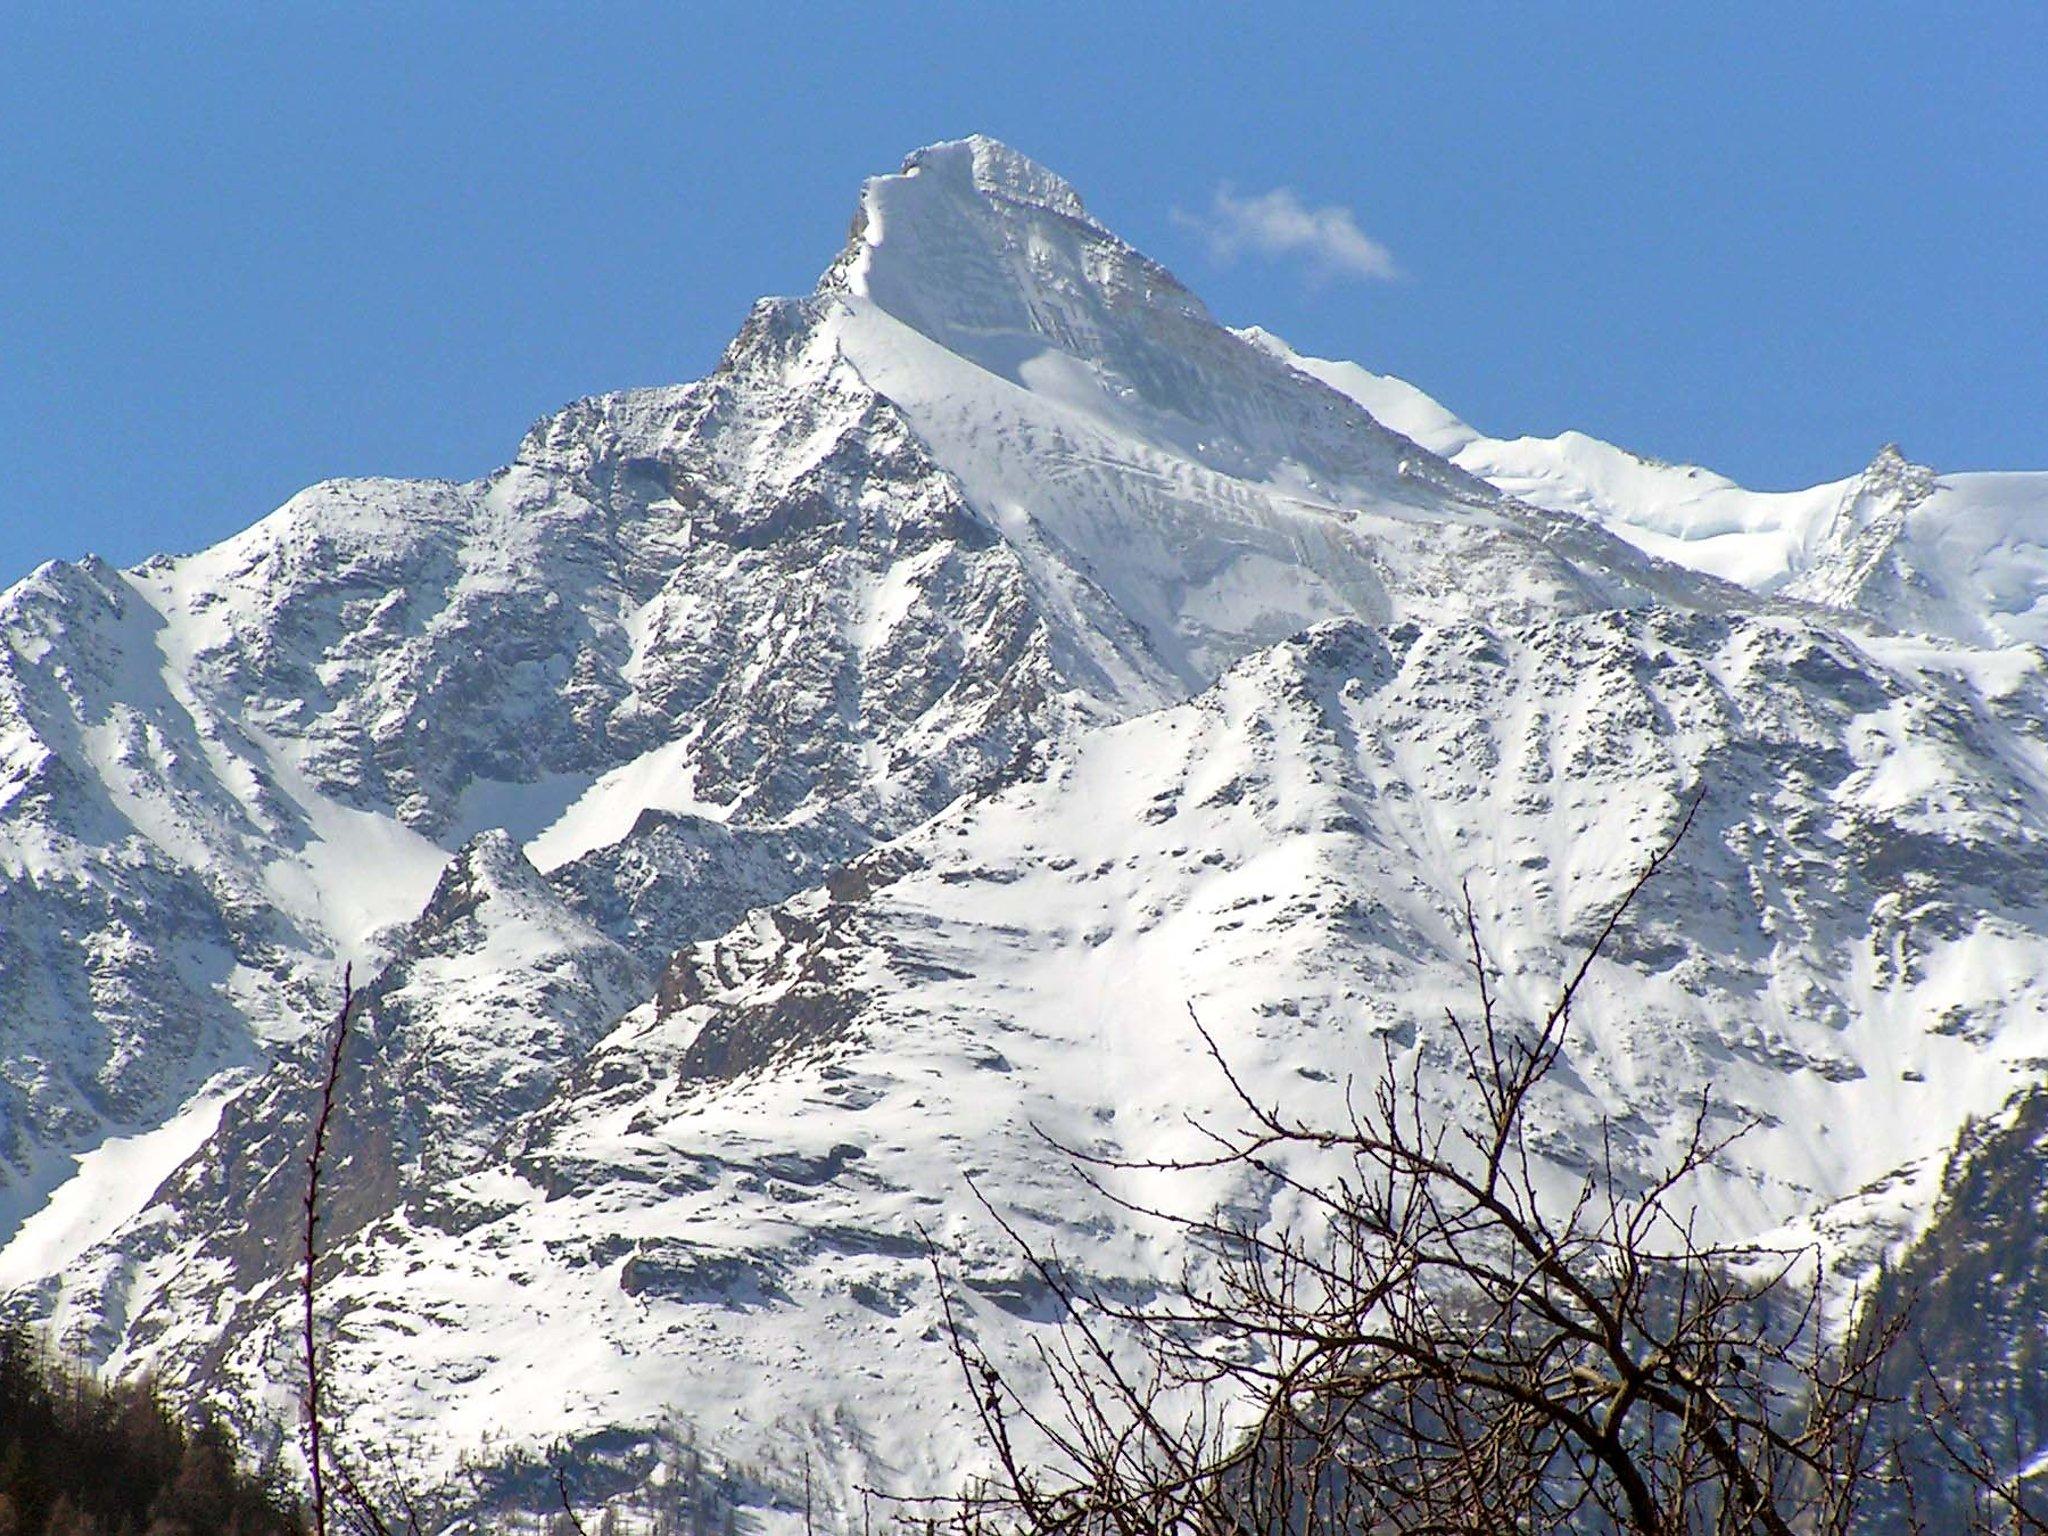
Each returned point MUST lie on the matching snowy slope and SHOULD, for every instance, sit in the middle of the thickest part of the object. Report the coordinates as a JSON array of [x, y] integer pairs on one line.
[[766, 800], [730, 1191]]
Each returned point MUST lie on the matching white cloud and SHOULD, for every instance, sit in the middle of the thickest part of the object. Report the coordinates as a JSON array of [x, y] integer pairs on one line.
[[1279, 223]]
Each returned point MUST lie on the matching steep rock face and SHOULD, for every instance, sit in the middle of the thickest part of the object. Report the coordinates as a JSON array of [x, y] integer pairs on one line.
[[137, 929], [823, 589], [494, 995], [1957, 555]]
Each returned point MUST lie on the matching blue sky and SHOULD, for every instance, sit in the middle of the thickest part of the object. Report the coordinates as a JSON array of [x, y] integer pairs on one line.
[[243, 249]]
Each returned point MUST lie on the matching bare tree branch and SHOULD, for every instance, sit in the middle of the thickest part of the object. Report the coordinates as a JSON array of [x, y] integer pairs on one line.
[[316, 1460], [1443, 1342]]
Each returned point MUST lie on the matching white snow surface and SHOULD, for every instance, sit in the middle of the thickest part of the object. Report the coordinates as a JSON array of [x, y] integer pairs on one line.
[[771, 801], [723, 1208], [93, 1201], [1964, 555]]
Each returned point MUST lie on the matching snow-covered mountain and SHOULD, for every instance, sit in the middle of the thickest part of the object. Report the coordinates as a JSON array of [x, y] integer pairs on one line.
[[1961, 555], [769, 802], [695, 645]]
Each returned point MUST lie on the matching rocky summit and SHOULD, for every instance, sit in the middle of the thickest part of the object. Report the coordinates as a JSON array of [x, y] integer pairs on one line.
[[772, 814]]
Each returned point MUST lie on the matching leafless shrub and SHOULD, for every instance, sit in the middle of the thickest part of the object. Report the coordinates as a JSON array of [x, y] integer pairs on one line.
[[316, 1155], [340, 1495], [1441, 1345]]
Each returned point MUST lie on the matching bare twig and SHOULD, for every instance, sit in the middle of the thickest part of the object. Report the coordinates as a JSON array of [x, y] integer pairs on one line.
[[1450, 1346], [568, 1507], [316, 1459]]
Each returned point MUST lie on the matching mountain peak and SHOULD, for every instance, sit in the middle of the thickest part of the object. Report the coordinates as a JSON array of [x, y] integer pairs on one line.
[[1893, 477], [972, 239], [489, 867], [994, 169]]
